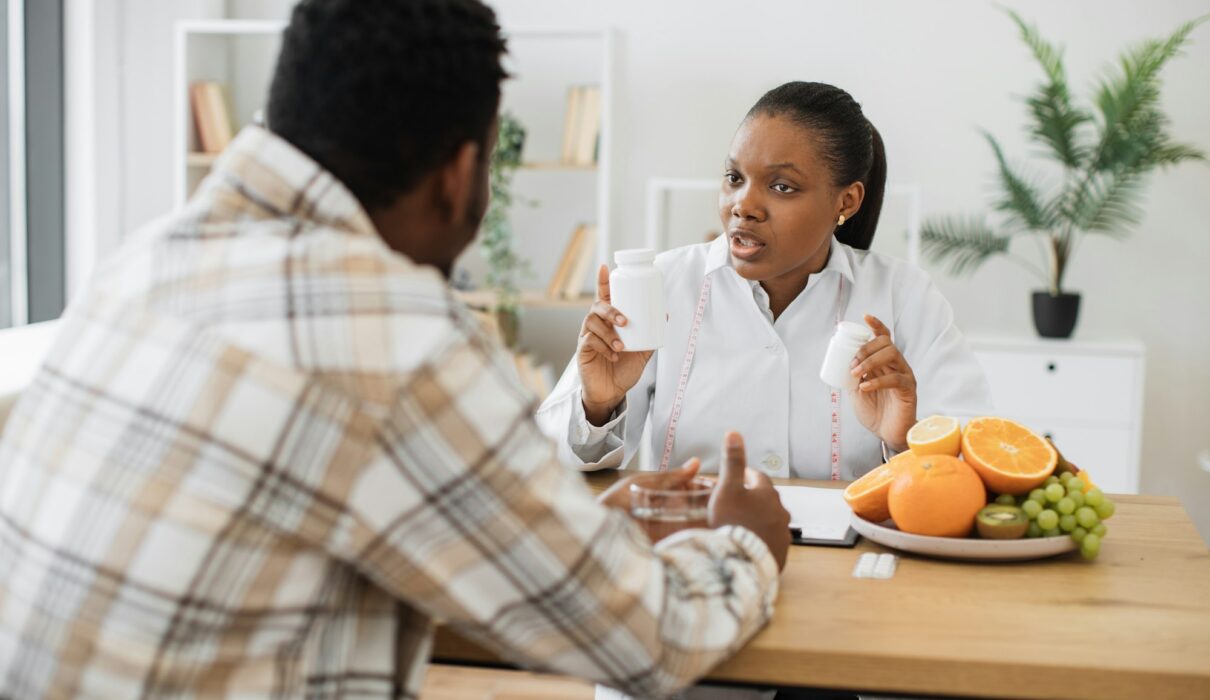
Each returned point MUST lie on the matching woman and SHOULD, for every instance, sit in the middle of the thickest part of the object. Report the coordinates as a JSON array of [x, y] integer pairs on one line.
[[751, 314]]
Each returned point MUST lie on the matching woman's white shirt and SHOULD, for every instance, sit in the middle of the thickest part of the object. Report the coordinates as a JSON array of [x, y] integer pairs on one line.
[[761, 377]]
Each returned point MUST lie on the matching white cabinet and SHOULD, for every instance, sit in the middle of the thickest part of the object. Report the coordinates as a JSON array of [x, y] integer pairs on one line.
[[1086, 396]]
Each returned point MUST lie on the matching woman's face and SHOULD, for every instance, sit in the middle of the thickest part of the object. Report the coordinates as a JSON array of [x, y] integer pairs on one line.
[[778, 204]]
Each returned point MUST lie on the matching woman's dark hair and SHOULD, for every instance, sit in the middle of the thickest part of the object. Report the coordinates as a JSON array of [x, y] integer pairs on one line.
[[850, 145], [381, 92]]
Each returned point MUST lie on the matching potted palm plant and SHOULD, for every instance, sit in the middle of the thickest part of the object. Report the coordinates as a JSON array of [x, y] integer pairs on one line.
[[496, 239], [1104, 150]]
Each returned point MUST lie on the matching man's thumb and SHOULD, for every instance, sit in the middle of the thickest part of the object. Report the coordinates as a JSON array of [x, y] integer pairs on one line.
[[731, 473]]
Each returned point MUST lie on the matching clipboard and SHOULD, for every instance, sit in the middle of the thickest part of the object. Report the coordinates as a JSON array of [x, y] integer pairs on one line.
[[818, 516], [849, 540]]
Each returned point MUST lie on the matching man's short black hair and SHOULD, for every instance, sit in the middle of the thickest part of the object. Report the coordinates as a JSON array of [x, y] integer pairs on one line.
[[380, 92]]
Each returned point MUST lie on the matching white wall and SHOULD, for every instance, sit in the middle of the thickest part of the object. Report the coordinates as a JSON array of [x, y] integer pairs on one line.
[[929, 73]]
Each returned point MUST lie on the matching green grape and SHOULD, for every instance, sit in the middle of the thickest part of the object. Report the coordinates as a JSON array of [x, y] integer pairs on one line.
[[1077, 497], [1054, 492], [1075, 486], [1038, 496], [1106, 509], [1048, 519], [1053, 532], [1034, 530], [1087, 517], [1099, 530], [1050, 480], [1065, 477], [1078, 534], [1031, 508], [1006, 499], [1091, 546], [1067, 523], [1094, 497], [1066, 506]]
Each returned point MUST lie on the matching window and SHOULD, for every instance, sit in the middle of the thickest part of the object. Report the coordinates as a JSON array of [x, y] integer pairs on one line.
[[32, 258]]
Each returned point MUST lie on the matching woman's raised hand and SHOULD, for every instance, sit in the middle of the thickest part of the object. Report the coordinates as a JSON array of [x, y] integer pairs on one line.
[[885, 400], [607, 370]]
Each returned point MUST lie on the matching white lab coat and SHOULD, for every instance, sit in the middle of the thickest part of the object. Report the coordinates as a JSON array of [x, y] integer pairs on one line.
[[761, 377]]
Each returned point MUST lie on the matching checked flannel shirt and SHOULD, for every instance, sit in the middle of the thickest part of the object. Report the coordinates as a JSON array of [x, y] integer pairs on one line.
[[266, 454]]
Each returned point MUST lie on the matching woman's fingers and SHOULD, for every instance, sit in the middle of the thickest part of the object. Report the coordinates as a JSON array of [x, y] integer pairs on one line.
[[877, 326], [597, 326], [607, 313], [603, 283], [898, 380], [594, 341], [870, 348], [887, 356]]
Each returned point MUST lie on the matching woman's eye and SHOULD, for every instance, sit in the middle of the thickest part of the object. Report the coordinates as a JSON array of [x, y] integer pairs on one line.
[[731, 178], [783, 188]]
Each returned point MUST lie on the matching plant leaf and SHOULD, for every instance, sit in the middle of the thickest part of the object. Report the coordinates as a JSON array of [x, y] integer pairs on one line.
[[1056, 121], [1173, 153], [965, 243], [1020, 199], [1109, 204], [1128, 102]]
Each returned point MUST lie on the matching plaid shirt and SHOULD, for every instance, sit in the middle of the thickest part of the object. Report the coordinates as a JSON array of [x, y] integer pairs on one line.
[[266, 453]]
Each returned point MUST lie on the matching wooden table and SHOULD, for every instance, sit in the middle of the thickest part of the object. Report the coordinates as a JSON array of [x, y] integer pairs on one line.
[[1135, 623]]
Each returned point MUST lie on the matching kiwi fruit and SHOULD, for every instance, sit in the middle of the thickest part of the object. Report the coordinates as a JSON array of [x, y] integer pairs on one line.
[[1000, 522]]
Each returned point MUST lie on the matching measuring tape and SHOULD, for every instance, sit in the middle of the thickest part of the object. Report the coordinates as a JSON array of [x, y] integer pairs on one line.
[[687, 365], [690, 351]]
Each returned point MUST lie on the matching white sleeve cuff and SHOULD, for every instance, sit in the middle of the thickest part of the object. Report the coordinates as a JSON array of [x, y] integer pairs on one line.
[[585, 434]]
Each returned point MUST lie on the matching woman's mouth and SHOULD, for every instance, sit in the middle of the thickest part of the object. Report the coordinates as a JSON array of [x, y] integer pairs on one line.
[[745, 246]]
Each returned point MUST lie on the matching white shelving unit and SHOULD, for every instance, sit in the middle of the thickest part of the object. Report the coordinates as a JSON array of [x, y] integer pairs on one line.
[[238, 53], [544, 64]]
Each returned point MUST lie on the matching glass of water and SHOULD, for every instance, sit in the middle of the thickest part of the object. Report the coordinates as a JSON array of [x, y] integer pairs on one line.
[[661, 512]]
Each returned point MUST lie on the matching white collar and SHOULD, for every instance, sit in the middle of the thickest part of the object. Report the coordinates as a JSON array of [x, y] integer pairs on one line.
[[719, 256]]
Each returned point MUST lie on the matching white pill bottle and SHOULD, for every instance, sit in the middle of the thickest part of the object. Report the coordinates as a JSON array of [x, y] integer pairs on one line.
[[846, 341], [636, 289]]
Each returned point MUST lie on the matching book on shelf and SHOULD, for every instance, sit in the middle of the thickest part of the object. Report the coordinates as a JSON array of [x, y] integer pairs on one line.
[[536, 377], [211, 115], [582, 125], [572, 270]]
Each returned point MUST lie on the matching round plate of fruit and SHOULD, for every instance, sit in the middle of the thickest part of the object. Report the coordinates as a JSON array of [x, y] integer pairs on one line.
[[993, 490]]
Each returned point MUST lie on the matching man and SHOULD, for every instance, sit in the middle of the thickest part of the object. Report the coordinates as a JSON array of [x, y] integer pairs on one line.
[[269, 450]]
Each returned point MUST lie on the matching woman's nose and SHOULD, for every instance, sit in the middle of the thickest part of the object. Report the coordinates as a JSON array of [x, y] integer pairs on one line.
[[744, 206]]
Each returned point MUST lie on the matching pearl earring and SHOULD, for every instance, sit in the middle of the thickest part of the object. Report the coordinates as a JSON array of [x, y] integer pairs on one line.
[[840, 221]]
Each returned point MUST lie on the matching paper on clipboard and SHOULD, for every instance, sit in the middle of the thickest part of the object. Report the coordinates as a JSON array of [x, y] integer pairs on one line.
[[820, 513]]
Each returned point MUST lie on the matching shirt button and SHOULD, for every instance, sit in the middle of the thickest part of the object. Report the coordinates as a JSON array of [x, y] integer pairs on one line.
[[773, 462]]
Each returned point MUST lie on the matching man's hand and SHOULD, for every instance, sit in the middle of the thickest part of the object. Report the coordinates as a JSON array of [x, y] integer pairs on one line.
[[747, 498]]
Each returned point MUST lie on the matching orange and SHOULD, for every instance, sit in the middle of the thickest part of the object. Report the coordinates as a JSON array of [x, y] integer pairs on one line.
[[936, 435], [868, 495], [1010, 457], [937, 495]]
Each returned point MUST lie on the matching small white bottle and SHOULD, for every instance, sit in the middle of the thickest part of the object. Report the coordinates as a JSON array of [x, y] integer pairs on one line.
[[636, 289], [846, 341]]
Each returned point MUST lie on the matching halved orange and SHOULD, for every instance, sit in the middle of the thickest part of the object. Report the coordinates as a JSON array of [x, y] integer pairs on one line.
[[1009, 457], [868, 495], [936, 435]]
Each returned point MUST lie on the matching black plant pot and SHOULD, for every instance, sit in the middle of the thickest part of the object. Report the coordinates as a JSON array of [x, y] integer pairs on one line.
[[1055, 316]]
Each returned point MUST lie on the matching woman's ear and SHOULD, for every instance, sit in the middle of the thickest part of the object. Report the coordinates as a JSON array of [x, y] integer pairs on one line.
[[457, 183], [850, 200]]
